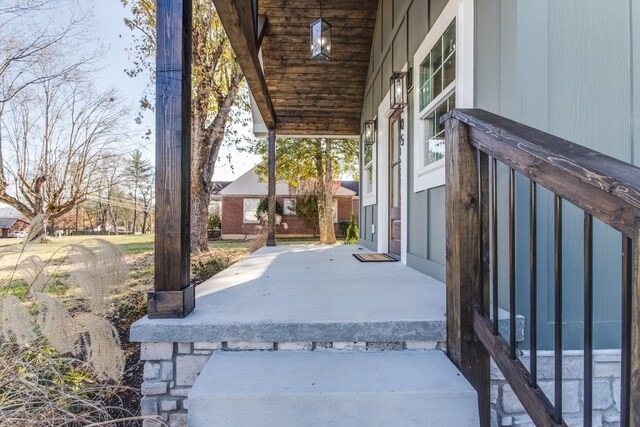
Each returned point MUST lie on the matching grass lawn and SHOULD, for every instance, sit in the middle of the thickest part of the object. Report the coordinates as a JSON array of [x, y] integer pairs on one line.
[[129, 298], [137, 251]]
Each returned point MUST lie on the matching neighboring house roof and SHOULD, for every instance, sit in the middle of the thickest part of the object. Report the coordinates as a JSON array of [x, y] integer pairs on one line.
[[352, 185], [9, 222], [219, 186], [249, 184]]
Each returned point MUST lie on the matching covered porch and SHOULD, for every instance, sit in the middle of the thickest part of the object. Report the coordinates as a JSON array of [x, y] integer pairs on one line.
[[310, 294], [321, 298]]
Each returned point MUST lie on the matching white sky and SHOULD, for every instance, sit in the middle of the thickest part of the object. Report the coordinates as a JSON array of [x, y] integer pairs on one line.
[[109, 16]]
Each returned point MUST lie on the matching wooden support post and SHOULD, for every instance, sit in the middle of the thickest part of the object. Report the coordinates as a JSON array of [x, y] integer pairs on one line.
[[173, 295], [465, 272], [271, 237]]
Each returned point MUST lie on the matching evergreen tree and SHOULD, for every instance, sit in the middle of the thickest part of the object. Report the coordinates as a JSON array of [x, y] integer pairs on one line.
[[352, 232], [138, 173]]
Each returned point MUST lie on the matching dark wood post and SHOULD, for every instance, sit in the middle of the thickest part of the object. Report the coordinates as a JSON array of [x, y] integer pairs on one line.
[[271, 237], [465, 272], [173, 295]]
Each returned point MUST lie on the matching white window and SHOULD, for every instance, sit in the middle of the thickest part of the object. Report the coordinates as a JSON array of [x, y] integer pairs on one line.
[[289, 206], [334, 210], [368, 174], [444, 79], [250, 211], [437, 97]]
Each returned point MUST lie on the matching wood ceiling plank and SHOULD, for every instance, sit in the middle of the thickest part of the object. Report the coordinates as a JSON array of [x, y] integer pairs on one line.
[[311, 98]]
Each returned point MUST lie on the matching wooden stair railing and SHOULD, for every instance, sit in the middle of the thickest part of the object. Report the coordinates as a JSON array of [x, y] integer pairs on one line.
[[601, 186]]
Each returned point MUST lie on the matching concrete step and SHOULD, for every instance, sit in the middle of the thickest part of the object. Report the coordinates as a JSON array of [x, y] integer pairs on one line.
[[329, 388]]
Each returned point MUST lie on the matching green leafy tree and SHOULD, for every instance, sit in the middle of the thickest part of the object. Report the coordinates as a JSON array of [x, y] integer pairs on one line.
[[307, 210], [309, 167], [219, 99], [214, 222], [353, 233], [138, 173]]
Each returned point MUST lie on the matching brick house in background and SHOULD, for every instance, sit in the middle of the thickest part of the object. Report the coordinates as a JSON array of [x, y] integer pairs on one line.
[[12, 225], [240, 200]]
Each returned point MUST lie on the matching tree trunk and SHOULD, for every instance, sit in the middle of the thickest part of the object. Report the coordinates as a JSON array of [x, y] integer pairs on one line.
[[328, 191], [135, 207], [320, 188], [199, 217], [200, 188], [145, 214]]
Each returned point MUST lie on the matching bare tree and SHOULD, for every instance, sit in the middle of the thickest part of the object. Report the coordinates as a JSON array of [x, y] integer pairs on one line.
[[138, 173], [28, 38], [147, 196], [219, 103], [61, 134]]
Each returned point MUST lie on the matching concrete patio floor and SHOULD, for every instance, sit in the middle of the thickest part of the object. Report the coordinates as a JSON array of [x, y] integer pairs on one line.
[[308, 293]]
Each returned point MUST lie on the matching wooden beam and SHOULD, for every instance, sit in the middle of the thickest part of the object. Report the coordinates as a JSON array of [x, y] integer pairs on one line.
[[173, 295], [262, 27], [271, 237], [237, 20], [464, 270]]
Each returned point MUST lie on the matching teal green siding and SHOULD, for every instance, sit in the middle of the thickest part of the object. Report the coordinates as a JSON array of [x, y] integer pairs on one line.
[[568, 68], [400, 29]]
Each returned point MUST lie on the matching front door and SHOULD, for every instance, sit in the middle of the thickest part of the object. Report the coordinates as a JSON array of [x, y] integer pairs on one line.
[[395, 225]]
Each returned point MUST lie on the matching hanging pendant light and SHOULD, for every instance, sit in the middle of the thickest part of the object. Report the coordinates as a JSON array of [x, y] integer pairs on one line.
[[320, 39]]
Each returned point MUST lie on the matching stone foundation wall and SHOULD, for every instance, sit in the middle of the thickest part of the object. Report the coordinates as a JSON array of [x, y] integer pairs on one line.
[[507, 410], [171, 369]]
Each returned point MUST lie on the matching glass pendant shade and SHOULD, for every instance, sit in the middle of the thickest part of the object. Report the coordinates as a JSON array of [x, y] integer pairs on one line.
[[398, 90], [320, 40], [370, 132]]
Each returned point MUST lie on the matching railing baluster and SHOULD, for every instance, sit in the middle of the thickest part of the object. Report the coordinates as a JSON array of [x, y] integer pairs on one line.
[[512, 263], [557, 250], [481, 231], [625, 374], [483, 212], [588, 319], [533, 279], [494, 242]]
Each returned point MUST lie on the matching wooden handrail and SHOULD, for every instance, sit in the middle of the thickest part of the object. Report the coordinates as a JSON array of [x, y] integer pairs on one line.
[[607, 188], [601, 186]]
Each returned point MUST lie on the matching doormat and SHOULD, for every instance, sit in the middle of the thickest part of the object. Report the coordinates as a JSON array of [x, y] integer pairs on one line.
[[374, 258]]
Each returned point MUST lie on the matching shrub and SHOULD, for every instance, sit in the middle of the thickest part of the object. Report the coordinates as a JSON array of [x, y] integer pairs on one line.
[[343, 226], [258, 241], [263, 209], [61, 358], [213, 222], [41, 387], [352, 232], [203, 270]]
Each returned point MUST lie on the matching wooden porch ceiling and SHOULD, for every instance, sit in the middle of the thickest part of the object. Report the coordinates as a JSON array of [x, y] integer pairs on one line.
[[297, 95], [309, 97]]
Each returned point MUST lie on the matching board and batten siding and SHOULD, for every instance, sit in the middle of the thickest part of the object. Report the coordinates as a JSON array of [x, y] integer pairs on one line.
[[401, 26], [570, 68]]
